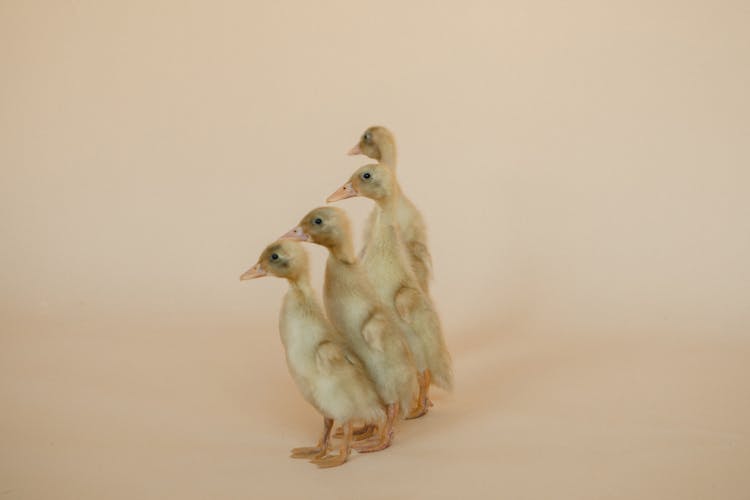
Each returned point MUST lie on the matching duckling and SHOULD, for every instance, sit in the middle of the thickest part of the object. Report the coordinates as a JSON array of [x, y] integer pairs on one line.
[[388, 267], [329, 375], [379, 144], [354, 309]]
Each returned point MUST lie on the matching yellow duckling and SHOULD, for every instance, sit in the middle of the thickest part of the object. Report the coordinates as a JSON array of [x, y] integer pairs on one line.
[[370, 328], [329, 376], [388, 268], [379, 144]]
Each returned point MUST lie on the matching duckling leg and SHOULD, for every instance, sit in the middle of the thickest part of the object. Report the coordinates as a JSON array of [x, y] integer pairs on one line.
[[427, 382], [344, 451], [365, 432], [385, 438], [359, 433], [423, 400], [321, 449]]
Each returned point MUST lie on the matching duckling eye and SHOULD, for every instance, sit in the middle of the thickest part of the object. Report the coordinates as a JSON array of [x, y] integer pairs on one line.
[[274, 256], [367, 136], [366, 175], [318, 221]]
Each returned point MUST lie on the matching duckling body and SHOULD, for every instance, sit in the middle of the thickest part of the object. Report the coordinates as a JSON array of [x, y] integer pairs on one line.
[[388, 268], [354, 308], [378, 143], [328, 374]]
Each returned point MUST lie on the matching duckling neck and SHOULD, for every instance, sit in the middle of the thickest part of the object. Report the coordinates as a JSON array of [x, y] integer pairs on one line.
[[388, 155], [389, 204], [301, 284], [300, 319], [344, 252]]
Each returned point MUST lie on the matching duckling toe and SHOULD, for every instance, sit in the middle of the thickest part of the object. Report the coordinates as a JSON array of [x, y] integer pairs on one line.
[[330, 460], [308, 452], [419, 411], [374, 444]]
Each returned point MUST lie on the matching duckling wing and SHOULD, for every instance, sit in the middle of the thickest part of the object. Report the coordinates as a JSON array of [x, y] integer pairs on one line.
[[421, 255], [367, 232], [329, 356], [406, 300], [353, 360], [373, 332]]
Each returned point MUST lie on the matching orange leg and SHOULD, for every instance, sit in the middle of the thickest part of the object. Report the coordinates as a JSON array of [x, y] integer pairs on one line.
[[358, 434], [423, 400], [321, 449], [385, 437], [427, 383], [344, 451], [364, 432]]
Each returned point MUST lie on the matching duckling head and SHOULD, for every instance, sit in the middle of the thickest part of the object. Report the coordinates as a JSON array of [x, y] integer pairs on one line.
[[283, 258], [376, 181], [327, 226], [374, 142]]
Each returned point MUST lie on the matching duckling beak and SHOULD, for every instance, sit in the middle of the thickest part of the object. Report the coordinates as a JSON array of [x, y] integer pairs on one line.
[[355, 150], [342, 193], [296, 234], [254, 272]]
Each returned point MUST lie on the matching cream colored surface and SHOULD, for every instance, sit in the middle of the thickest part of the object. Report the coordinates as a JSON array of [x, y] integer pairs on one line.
[[583, 167]]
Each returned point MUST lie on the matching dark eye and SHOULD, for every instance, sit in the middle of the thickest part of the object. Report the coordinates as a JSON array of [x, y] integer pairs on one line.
[[318, 221], [367, 136], [366, 175], [274, 256]]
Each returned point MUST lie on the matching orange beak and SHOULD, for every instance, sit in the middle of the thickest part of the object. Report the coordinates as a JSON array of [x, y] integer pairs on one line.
[[254, 272], [296, 234], [355, 150], [342, 193]]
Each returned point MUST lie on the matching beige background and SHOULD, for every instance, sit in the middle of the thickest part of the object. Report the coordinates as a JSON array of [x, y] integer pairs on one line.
[[583, 167]]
